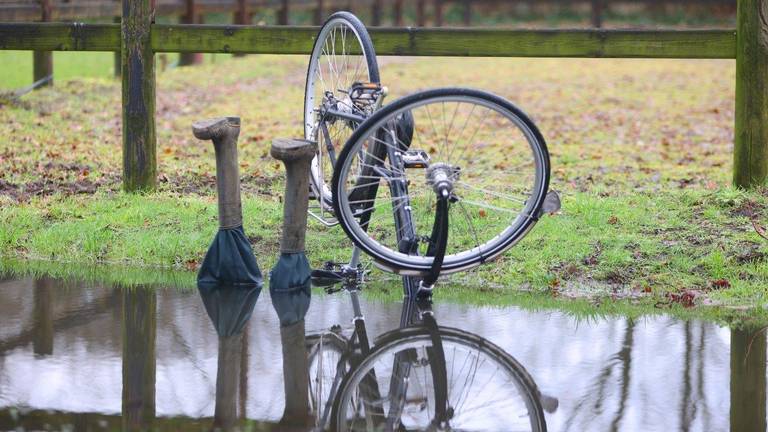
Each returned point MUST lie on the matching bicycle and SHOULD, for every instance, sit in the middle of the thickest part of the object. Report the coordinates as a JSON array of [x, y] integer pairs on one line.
[[373, 152]]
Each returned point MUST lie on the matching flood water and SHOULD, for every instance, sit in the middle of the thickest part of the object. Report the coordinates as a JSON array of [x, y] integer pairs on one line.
[[85, 356]]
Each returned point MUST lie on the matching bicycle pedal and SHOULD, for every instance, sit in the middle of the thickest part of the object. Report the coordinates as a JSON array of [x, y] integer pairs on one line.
[[415, 159], [325, 278]]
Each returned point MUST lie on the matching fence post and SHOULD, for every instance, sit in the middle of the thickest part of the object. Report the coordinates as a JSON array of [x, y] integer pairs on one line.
[[118, 60], [438, 13], [138, 65], [397, 13], [282, 14], [242, 17], [750, 153], [376, 13], [319, 12], [42, 61], [467, 12], [190, 17], [597, 13], [421, 19]]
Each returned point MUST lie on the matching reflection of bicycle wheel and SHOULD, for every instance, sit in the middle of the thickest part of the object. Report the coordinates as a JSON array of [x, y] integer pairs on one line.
[[342, 55], [488, 390], [490, 152], [326, 355]]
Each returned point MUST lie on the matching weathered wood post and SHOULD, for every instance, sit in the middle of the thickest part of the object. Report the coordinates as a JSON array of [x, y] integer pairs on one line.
[[467, 12], [438, 13], [750, 155], [118, 64], [138, 65], [376, 13], [397, 13], [191, 16], [282, 14], [242, 17], [43, 60], [319, 12], [597, 13], [421, 17]]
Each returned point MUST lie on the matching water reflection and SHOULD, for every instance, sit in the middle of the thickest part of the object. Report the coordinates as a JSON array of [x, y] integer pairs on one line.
[[230, 309], [108, 358]]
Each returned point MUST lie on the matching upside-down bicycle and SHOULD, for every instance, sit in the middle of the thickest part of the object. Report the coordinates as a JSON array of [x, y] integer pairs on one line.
[[393, 177]]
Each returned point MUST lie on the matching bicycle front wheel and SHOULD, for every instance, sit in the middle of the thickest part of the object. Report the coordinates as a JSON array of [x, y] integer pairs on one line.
[[487, 389], [342, 55], [493, 155]]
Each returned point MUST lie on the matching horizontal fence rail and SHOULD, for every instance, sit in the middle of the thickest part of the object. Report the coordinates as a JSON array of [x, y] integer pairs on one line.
[[704, 44]]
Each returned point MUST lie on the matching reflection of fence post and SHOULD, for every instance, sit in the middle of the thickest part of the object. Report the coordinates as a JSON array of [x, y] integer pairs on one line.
[[748, 359], [438, 13], [42, 341], [421, 18], [750, 155], [397, 13], [282, 14], [139, 330], [191, 16], [597, 13], [43, 60], [138, 66], [228, 382]]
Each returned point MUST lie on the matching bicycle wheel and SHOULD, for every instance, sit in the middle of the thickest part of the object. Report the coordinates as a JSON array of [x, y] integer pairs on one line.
[[326, 355], [342, 55], [492, 153], [488, 390]]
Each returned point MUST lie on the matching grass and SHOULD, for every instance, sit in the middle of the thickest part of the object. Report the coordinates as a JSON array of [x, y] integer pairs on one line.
[[641, 154]]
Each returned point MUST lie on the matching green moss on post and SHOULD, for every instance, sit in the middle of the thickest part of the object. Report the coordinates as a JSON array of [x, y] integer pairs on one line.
[[750, 161], [138, 65]]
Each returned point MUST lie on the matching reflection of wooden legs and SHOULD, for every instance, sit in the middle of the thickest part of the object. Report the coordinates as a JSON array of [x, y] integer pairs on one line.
[[748, 382], [42, 339], [244, 373], [295, 375], [228, 381], [139, 329]]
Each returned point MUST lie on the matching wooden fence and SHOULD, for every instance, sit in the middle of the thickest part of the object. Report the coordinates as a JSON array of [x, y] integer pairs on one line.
[[242, 11], [138, 38]]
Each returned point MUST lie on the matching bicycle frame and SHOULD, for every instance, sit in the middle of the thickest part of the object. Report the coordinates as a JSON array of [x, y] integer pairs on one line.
[[416, 306]]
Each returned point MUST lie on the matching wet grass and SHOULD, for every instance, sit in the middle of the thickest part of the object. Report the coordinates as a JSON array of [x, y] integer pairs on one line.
[[641, 153]]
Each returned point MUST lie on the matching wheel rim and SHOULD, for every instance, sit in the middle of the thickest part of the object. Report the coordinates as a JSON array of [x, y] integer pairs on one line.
[[485, 392], [338, 59], [493, 212]]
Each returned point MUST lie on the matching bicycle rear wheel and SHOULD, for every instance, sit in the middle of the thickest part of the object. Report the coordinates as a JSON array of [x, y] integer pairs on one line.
[[488, 390], [327, 355], [342, 55], [493, 154]]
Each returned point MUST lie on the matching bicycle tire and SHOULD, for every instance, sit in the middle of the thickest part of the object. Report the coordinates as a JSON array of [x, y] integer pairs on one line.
[[364, 40], [391, 259], [388, 343], [331, 341]]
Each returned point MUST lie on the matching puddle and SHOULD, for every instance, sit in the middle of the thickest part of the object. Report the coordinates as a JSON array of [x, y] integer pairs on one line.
[[77, 356]]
